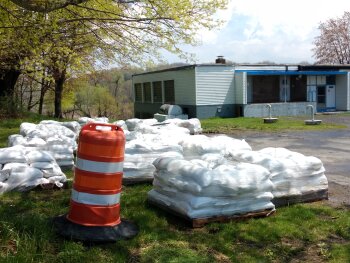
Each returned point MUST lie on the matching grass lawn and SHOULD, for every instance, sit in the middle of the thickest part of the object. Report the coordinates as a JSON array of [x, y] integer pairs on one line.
[[299, 233], [229, 125]]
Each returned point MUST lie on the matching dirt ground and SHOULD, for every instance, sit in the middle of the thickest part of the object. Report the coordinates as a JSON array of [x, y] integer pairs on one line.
[[332, 147]]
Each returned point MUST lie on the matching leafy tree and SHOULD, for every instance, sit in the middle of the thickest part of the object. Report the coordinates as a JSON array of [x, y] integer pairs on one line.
[[332, 46], [96, 101], [125, 32], [45, 5], [17, 41]]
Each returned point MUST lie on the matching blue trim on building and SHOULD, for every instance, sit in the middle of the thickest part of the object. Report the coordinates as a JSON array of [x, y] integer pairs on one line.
[[284, 72]]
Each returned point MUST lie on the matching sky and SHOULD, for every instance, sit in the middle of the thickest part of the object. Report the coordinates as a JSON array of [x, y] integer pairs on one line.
[[271, 30]]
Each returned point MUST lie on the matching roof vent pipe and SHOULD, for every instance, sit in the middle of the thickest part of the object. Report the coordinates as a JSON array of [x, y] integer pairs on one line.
[[220, 60]]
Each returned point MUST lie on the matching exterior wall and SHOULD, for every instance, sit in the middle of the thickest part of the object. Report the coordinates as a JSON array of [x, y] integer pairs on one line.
[[240, 85], [277, 109], [342, 96], [249, 89], [209, 111], [214, 85], [184, 82]]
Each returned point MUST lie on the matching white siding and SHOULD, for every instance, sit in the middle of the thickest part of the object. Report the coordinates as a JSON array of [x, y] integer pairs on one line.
[[184, 82], [241, 87], [214, 85], [342, 92]]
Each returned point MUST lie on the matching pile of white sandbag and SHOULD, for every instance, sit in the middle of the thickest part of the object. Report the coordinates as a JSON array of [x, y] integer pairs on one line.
[[197, 145], [142, 151], [58, 138], [296, 177], [194, 190], [24, 168], [84, 120]]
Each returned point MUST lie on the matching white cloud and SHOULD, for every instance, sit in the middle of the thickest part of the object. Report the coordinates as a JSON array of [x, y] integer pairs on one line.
[[274, 30]]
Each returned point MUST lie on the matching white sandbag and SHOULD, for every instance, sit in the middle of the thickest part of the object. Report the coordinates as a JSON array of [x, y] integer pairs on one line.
[[10, 166], [25, 127], [198, 145], [53, 129], [131, 123], [65, 148], [74, 126], [224, 180], [12, 154], [38, 133], [61, 141], [193, 125], [122, 125], [34, 142], [15, 139], [138, 169], [4, 174], [49, 169], [84, 120], [39, 156], [57, 178], [227, 207], [23, 178], [63, 163]]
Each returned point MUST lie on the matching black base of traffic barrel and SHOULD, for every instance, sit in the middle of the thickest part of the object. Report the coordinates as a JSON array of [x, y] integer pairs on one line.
[[98, 234]]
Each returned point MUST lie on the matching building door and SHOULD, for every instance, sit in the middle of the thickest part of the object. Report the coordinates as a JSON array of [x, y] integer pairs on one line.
[[311, 93], [284, 88], [321, 98], [330, 97]]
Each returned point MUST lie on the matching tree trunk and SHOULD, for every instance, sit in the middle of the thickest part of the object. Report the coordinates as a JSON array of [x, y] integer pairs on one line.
[[59, 81], [7, 83]]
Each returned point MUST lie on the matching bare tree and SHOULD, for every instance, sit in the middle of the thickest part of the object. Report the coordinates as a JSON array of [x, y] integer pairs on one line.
[[332, 46]]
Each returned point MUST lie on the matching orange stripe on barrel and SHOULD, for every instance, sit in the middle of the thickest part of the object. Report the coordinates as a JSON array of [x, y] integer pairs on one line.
[[92, 215], [97, 181], [100, 153]]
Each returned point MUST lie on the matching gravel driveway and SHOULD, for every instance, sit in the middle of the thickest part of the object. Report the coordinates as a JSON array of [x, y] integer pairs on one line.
[[332, 147]]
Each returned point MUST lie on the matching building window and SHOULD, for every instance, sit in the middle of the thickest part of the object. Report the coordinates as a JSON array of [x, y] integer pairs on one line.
[[147, 92], [157, 91], [169, 92], [138, 92]]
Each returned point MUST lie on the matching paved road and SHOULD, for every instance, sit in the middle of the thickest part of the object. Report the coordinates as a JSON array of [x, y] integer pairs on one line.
[[332, 147]]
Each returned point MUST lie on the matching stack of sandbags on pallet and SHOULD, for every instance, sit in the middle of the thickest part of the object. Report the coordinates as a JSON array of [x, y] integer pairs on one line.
[[55, 137], [142, 151], [193, 190], [24, 168], [296, 177]]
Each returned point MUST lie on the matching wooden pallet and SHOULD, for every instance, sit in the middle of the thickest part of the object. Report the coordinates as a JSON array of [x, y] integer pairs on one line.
[[200, 222], [304, 198], [131, 181]]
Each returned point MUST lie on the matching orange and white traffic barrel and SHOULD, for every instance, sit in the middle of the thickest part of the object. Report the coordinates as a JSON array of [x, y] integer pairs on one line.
[[95, 198]]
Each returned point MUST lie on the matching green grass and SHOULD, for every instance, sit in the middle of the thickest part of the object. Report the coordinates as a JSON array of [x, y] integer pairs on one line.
[[303, 233], [230, 125], [27, 234]]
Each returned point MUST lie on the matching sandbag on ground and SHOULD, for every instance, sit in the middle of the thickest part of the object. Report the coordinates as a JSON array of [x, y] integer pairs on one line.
[[197, 145], [296, 178], [26, 168], [196, 191]]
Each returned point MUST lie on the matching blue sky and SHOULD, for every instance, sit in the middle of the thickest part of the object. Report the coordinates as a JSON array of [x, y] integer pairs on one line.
[[270, 30]]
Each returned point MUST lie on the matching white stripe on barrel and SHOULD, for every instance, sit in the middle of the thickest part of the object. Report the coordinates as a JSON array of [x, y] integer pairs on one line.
[[99, 167], [92, 199]]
